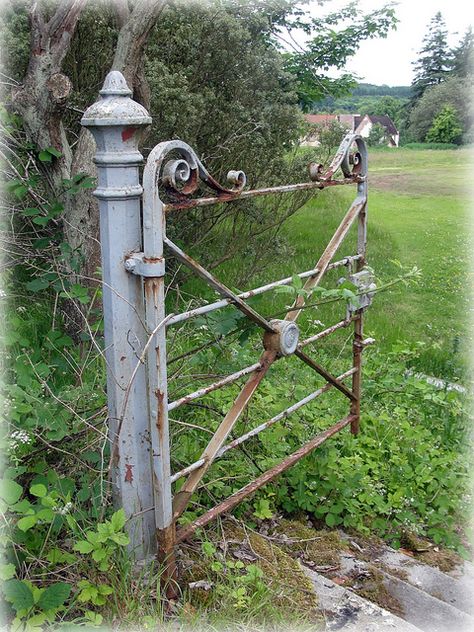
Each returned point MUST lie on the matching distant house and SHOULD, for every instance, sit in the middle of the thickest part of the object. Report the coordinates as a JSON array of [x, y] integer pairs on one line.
[[365, 124], [353, 123]]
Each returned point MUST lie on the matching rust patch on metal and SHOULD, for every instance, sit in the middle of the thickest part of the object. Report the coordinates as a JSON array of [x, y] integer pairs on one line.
[[128, 473], [165, 539]]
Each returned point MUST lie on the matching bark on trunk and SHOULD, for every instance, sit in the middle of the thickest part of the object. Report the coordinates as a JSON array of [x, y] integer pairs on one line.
[[82, 217], [43, 96]]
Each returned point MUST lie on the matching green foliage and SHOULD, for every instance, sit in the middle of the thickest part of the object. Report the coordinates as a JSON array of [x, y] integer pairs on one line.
[[435, 58], [446, 127], [453, 92], [329, 48], [35, 607], [103, 543], [463, 56], [377, 135], [438, 146], [329, 136]]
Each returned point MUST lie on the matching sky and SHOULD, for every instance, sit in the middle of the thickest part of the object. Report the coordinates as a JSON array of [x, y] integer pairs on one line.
[[388, 61]]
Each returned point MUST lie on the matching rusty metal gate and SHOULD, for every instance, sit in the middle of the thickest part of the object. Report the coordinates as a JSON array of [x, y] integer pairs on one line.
[[133, 245]]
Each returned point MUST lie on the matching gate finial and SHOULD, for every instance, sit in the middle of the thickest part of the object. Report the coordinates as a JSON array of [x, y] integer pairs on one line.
[[115, 107]]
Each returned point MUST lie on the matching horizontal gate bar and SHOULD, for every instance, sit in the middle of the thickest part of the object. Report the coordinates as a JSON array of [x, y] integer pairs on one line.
[[289, 188], [266, 477], [212, 387], [283, 414], [223, 290], [326, 332], [210, 307], [187, 470], [266, 424]]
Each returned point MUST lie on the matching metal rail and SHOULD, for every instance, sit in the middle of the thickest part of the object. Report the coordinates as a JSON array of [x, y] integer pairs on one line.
[[255, 431], [262, 480], [210, 307]]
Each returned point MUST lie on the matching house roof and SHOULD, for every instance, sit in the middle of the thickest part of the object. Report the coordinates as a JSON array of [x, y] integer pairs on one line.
[[353, 121], [319, 119], [348, 120], [384, 120]]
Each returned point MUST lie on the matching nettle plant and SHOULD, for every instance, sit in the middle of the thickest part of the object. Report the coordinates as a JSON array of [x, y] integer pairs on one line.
[[54, 494], [44, 531]]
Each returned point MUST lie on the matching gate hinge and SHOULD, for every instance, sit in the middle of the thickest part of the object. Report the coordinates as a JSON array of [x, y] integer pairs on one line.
[[140, 265]]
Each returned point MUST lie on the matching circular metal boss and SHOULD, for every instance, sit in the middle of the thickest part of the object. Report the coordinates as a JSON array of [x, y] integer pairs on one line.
[[285, 340]]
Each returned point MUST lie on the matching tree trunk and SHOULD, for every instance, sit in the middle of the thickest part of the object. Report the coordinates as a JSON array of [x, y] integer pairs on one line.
[[43, 96], [81, 225]]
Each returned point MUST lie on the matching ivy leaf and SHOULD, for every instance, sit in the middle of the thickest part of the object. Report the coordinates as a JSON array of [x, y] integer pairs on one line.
[[330, 520], [37, 284], [7, 571], [118, 520], [120, 538], [45, 156], [10, 491], [41, 221], [18, 594], [54, 152], [297, 282], [54, 596]]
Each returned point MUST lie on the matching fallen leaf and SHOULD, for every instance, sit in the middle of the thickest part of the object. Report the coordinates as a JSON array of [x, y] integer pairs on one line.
[[406, 552]]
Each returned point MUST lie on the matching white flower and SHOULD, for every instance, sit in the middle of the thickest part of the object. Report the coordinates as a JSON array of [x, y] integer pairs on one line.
[[20, 436], [62, 511]]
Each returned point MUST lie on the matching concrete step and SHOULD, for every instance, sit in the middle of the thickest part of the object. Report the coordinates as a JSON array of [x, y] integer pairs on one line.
[[457, 591], [427, 612], [346, 611], [420, 608], [455, 587]]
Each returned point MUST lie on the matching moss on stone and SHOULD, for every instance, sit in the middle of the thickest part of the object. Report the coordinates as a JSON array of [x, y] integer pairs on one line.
[[292, 589], [290, 592], [319, 546], [425, 551], [373, 588]]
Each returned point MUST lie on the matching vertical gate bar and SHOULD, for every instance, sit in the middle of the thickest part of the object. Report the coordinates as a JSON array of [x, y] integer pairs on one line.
[[357, 346], [114, 121], [356, 377], [153, 233]]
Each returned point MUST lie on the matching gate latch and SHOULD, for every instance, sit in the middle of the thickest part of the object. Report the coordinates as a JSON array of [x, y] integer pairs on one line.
[[364, 282]]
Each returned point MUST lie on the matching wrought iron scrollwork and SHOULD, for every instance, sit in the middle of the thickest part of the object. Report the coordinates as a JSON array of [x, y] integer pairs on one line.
[[182, 175], [352, 163]]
